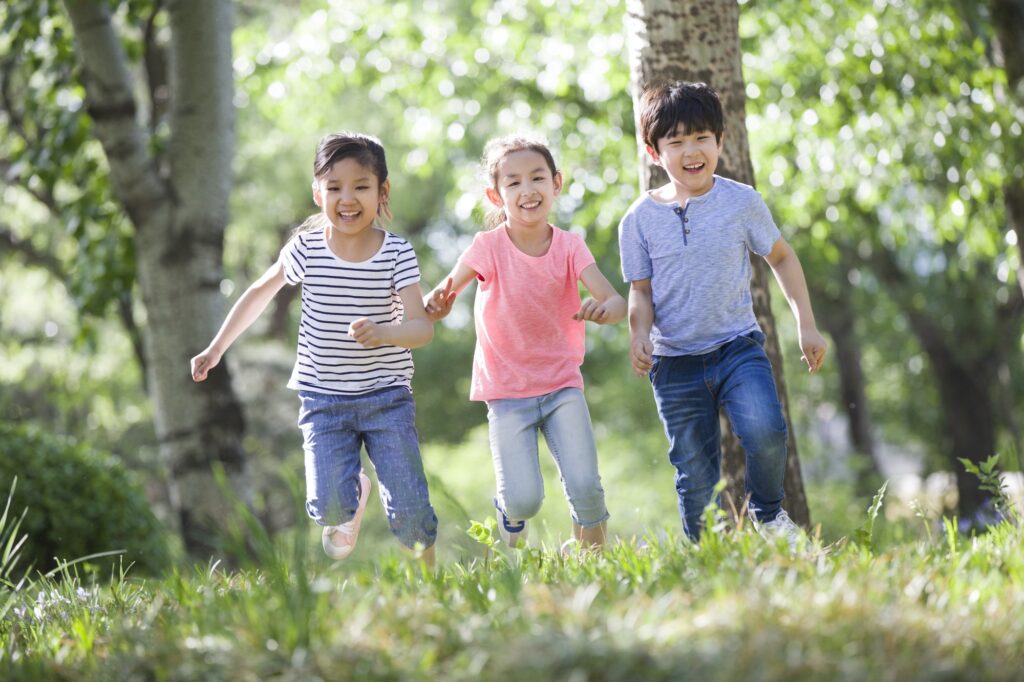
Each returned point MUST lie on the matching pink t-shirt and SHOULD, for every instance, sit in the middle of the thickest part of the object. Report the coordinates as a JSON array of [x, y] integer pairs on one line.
[[527, 343]]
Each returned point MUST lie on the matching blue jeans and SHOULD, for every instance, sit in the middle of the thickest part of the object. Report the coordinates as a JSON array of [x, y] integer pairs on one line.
[[334, 429], [689, 390], [562, 416]]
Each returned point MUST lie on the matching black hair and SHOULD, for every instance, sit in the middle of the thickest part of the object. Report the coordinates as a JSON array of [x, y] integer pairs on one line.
[[497, 149], [364, 149], [693, 107]]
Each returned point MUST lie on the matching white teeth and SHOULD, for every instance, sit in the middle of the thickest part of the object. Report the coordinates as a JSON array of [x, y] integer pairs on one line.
[[694, 166], [533, 204]]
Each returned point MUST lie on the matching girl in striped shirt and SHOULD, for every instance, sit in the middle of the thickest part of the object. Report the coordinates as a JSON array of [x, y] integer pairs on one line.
[[362, 312]]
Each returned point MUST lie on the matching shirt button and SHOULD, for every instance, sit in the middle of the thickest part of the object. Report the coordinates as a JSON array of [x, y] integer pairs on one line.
[[686, 220], [687, 230], [678, 210]]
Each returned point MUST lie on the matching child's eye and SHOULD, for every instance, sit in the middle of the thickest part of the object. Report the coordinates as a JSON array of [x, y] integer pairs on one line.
[[512, 184]]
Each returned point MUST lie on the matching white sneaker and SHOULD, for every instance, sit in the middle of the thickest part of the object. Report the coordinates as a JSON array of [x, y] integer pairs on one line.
[[780, 527], [511, 532], [340, 540]]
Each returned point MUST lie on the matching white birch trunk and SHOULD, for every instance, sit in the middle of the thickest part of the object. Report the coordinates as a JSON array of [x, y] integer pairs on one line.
[[179, 212]]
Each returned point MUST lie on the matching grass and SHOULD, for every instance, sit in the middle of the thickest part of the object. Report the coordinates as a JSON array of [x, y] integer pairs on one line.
[[943, 606]]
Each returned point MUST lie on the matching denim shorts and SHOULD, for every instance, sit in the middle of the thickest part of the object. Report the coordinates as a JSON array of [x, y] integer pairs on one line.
[[335, 428], [562, 416]]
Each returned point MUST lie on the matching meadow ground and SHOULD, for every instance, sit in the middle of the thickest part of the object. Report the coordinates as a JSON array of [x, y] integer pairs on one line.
[[869, 599]]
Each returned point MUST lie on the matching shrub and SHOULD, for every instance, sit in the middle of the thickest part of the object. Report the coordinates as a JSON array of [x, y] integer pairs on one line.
[[79, 502]]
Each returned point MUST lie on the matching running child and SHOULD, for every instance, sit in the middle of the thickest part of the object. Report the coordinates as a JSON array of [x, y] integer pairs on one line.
[[530, 329], [362, 310], [684, 249]]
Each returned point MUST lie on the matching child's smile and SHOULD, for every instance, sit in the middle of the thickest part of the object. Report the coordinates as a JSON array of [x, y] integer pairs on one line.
[[689, 158], [349, 195], [526, 188]]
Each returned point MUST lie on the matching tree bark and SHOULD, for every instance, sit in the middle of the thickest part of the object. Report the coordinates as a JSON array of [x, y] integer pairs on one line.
[[179, 212], [698, 40], [837, 317], [1008, 21]]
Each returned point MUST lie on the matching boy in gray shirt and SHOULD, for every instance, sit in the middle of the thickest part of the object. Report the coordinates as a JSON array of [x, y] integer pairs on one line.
[[691, 320]]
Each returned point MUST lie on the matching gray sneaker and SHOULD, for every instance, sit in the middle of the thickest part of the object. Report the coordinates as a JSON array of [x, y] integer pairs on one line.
[[511, 532], [780, 527]]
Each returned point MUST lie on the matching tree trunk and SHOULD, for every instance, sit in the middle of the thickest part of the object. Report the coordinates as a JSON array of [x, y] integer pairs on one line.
[[1008, 21], [179, 213], [837, 317], [698, 40]]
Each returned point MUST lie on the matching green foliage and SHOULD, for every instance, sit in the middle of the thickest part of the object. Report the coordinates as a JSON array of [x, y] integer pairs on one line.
[[78, 502], [53, 168], [882, 135], [865, 534], [735, 608], [991, 482]]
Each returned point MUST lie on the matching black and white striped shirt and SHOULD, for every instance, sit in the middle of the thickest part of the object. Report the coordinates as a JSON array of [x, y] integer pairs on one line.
[[336, 292]]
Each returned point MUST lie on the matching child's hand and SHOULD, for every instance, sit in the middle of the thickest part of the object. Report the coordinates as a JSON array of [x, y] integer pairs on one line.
[[368, 333], [591, 310], [203, 363], [640, 351], [438, 303], [813, 346]]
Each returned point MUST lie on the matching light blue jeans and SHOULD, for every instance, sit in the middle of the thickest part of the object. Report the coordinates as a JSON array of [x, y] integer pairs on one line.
[[334, 429], [562, 416]]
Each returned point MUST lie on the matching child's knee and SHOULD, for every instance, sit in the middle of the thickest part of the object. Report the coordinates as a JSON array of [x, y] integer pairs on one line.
[[522, 504], [414, 527]]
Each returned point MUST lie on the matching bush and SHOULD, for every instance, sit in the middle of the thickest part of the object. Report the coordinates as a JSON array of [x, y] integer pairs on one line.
[[79, 502]]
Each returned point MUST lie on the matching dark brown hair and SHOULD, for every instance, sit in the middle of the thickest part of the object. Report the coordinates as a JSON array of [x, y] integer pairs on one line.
[[497, 149], [694, 107], [365, 150]]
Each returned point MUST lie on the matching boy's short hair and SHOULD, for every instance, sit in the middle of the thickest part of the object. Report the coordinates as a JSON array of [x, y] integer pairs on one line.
[[693, 106]]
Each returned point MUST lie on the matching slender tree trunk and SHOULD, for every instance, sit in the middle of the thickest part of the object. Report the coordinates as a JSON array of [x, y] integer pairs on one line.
[[179, 212], [836, 316], [698, 40]]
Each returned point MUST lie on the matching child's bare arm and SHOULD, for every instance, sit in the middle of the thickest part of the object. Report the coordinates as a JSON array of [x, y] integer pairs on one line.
[[414, 331], [790, 276], [641, 318], [438, 303], [606, 305], [246, 310]]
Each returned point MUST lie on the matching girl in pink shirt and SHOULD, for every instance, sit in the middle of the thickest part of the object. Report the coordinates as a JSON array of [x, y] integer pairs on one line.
[[530, 339]]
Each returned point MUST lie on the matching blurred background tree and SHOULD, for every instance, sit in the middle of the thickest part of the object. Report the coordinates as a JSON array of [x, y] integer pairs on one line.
[[883, 136]]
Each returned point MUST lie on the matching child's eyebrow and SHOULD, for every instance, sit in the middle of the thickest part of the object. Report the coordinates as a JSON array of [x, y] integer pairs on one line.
[[538, 169]]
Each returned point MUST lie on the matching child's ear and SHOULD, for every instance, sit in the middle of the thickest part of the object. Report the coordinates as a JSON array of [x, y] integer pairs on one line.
[[385, 191], [317, 198], [557, 180], [494, 197], [653, 153]]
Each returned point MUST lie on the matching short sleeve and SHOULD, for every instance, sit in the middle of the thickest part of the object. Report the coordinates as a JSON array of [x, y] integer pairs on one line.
[[293, 259], [636, 260], [580, 255], [478, 256], [762, 233], [407, 268]]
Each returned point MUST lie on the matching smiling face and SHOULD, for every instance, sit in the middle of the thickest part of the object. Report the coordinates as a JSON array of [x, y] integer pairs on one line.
[[526, 187], [350, 196], [689, 159]]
